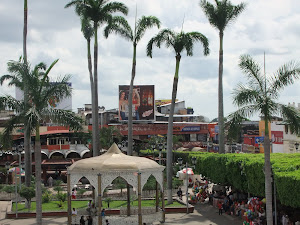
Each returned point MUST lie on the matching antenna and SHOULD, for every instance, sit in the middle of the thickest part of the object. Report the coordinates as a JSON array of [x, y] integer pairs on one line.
[[265, 72], [182, 22], [135, 19]]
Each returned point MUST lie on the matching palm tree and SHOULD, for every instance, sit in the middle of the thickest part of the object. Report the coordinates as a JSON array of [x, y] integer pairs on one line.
[[99, 12], [40, 92], [260, 96], [178, 42], [27, 136], [219, 17], [120, 26]]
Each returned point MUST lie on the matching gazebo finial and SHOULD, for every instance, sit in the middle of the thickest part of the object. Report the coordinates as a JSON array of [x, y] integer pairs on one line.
[[114, 149]]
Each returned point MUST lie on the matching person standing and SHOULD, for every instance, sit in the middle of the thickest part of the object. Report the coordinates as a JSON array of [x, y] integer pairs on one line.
[[90, 220], [82, 220], [220, 207], [179, 193]]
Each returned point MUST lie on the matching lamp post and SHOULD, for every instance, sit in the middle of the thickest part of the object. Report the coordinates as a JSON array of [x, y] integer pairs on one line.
[[7, 166], [160, 148], [153, 146], [180, 161]]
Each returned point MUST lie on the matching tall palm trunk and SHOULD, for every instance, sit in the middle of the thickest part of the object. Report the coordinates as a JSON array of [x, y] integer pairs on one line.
[[220, 100], [130, 132], [38, 178], [27, 148], [91, 79], [170, 133], [95, 113], [268, 174]]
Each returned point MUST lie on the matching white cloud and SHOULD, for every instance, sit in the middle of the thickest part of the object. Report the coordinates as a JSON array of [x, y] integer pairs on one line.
[[54, 32]]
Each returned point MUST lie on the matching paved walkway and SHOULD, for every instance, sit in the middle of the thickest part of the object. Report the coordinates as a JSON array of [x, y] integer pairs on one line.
[[203, 214]]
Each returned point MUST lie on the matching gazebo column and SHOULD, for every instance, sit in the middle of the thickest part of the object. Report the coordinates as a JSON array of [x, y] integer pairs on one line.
[[156, 197], [128, 199], [99, 200], [69, 199], [139, 199], [163, 199]]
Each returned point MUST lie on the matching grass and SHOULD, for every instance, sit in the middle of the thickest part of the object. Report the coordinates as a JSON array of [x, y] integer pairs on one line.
[[53, 205]]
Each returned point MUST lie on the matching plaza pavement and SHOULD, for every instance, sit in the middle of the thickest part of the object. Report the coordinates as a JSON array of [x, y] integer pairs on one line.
[[203, 214]]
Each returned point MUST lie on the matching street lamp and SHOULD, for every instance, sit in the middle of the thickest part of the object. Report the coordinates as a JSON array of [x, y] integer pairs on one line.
[[7, 166], [297, 146], [180, 161], [160, 148]]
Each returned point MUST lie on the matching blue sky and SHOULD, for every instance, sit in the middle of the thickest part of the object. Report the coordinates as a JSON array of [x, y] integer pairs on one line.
[[54, 32]]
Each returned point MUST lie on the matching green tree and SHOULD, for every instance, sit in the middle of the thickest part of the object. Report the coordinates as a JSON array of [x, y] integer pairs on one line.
[[40, 92], [219, 16], [109, 135], [260, 96], [178, 42], [120, 26], [28, 193], [98, 12]]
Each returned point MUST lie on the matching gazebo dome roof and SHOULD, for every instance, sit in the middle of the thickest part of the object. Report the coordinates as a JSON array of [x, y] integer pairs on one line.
[[114, 160]]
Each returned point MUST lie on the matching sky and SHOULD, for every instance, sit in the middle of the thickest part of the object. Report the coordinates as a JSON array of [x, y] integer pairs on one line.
[[54, 32]]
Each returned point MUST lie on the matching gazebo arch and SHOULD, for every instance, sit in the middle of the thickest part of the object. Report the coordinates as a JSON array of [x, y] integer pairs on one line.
[[102, 170]]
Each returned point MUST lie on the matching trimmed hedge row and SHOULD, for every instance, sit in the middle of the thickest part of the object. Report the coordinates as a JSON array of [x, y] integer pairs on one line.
[[245, 172]]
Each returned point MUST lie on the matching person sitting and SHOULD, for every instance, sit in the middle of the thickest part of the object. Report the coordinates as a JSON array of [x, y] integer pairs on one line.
[[107, 223], [74, 212]]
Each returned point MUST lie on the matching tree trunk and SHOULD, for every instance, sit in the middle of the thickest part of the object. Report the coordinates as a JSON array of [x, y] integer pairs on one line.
[[95, 113], [91, 81], [220, 95], [130, 119], [27, 147], [268, 175], [38, 178], [170, 134]]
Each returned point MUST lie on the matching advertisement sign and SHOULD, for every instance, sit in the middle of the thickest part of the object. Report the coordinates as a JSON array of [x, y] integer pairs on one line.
[[164, 101], [142, 102], [277, 137]]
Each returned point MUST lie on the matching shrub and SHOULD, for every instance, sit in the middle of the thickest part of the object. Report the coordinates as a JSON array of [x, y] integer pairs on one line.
[[61, 197], [46, 197]]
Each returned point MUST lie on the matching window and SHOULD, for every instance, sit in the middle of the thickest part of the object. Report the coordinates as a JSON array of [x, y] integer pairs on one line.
[[52, 141]]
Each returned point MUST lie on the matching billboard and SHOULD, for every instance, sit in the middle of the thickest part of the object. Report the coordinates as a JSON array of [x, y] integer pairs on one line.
[[142, 102]]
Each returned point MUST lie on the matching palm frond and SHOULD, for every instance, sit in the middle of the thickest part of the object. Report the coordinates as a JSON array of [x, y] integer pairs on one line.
[[196, 36], [11, 124], [113, 7], [165, 36], [86, 28], [119, 25], [284, 76], [9, 102], [243, 95], [63, 117], [244, 112], [253, 71], [291, 117], [222, 13], [145, 23]]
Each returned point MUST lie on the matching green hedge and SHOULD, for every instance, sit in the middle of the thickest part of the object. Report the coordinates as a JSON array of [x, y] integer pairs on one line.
[[225, 169]]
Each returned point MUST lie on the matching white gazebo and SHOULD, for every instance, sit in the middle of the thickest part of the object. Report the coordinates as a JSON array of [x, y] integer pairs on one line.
[[103, 169]]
